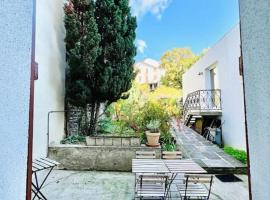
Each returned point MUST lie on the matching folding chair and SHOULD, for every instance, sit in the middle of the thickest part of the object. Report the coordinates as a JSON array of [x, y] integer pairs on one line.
[[173, 155], [195, 186], [151, 186], [145, 154], [170, 155], [39, 165]]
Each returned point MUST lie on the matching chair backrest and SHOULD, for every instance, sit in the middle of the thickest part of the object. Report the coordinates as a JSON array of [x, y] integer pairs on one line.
[[200, 178], [172, 155], [154, 178], [145, 154], [155, 185]]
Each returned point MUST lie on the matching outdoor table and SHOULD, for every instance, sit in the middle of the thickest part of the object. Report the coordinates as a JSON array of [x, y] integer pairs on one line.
[[149, 166], [39, 165], [183, 166], [173, 167]]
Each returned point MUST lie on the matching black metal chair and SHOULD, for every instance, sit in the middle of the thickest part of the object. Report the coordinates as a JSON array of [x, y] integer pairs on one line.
[[39, 165], [194, 186]]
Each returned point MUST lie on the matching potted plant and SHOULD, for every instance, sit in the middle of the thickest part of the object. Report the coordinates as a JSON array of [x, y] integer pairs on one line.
[[153, 133]]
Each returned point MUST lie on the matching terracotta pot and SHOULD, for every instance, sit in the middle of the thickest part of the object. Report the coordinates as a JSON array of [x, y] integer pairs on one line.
[[152, 138]]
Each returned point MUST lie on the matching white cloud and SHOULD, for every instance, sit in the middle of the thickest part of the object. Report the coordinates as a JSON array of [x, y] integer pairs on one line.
[[141, 46], [155, 7]]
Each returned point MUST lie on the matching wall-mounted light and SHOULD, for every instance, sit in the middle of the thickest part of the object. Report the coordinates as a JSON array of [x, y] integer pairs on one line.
[[200, 73]]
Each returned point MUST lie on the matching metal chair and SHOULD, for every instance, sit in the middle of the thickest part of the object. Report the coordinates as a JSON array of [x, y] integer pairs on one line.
[[145, 155], [195, 186], [39, 165], [170, 155], [151, 186], [179, 178]]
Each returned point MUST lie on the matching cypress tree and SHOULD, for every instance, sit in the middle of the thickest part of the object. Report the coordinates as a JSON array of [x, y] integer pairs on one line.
[[82, 47], [100, 53], [115, 63]]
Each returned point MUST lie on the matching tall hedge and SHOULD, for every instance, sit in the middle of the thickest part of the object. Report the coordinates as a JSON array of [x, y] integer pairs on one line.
[[100, 54]]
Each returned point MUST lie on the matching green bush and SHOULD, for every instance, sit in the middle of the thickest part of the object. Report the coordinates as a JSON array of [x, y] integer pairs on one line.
[[73, 139], [152, 110], [169, 147], [115, 127], [236, 153]]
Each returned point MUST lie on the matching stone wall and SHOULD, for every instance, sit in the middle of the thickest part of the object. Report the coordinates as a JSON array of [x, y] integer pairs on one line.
[[100, 158]]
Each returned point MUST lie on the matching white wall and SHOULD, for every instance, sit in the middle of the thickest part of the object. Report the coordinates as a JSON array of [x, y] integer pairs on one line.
[[15, 61], [49, 88], [225, 56], [255, 31]]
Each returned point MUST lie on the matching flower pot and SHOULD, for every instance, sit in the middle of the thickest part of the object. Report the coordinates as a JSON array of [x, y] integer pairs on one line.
[[152, 138]]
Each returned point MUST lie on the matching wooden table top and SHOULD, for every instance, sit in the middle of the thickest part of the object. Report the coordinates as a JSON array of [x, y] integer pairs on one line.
[[183, 166], [165, 166], [149, 166]]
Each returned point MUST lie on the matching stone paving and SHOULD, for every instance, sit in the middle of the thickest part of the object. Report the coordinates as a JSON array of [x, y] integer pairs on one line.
[[92, 185], [205, 153]]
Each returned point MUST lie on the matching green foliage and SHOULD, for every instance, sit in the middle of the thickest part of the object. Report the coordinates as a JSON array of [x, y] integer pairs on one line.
[[153, 126], [115, 63], [100, 47], [115, 128], [73, 139], [176, 62], [237, 154], [169, 147], [152, 110], [82, 45], [143, 106]]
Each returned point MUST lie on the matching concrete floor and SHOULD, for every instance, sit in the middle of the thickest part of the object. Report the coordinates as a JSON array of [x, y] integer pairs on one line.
[[91, 185]]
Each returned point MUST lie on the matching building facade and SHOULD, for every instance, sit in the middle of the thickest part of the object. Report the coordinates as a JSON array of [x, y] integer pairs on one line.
[[149, 72], [218, 71], [50, 85]]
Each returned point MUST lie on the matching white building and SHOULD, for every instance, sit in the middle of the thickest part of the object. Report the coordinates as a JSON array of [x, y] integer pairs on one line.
[[219, 69], [50, 85], [149, 72]]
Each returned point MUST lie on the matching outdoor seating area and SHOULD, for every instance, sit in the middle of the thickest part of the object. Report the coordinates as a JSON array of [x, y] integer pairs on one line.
[[94, 185], [154, 177]]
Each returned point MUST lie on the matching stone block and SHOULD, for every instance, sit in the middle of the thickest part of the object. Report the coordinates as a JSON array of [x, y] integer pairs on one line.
[[126, 142], [100, 141], [117, 142], [108, 141], [90, 141], [135, 142]]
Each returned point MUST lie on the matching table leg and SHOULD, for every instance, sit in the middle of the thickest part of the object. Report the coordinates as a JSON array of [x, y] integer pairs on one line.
[[168, 196]]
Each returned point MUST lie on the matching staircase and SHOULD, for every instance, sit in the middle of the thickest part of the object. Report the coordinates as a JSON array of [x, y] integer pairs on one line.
[[201, 103]]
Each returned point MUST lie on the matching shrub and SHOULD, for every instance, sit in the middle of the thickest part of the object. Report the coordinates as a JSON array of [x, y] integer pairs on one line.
[[152, 110], [169, 147], [153, 126], [73, 139], [236, 153]]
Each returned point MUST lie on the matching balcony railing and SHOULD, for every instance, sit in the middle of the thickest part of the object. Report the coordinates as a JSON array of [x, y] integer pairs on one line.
[[202, 100]]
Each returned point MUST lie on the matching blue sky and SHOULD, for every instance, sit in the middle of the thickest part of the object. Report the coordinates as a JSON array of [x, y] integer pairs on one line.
[[166, 24]]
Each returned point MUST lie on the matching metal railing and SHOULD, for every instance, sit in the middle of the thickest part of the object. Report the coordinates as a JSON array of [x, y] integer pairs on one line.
[[202, 100]]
